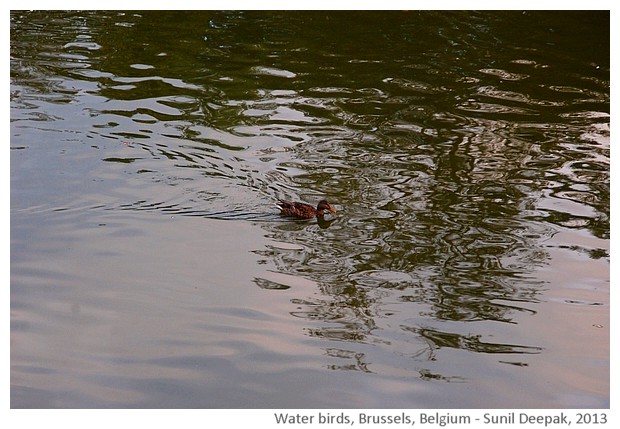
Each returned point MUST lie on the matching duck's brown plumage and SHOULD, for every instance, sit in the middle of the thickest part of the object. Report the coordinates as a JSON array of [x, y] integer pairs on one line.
[[303, 210]]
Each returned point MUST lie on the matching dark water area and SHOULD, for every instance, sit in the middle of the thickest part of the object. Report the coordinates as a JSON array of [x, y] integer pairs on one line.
[[467, 153]]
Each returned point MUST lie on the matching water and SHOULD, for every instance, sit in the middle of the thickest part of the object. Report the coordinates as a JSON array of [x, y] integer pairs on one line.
[[467, 155]]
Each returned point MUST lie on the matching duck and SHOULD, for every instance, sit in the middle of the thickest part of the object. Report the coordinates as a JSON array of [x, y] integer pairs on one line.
[[304, 211]]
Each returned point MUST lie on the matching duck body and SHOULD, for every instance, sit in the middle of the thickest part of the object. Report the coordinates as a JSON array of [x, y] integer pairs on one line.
[[304, 211]]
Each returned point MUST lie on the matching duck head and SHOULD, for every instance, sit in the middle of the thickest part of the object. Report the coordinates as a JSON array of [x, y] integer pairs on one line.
[[323, 206]]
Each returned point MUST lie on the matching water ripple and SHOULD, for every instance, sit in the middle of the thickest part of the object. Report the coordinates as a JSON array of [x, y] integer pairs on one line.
[[467, 161]]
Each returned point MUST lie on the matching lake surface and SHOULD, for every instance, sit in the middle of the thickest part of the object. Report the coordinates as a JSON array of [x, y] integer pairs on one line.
[[467, 155]]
